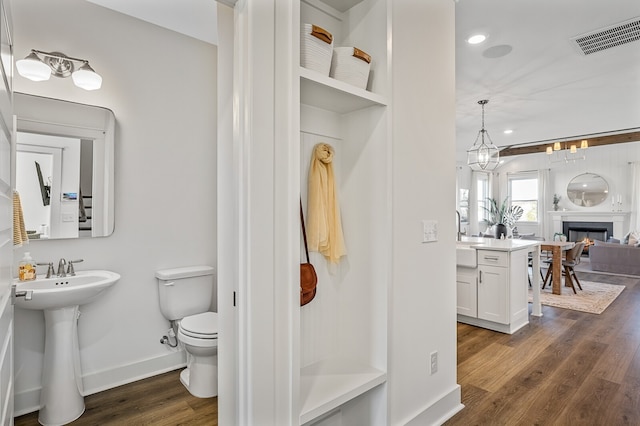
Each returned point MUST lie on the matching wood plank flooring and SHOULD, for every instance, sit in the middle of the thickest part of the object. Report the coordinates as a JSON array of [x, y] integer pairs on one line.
[[157, 401], [566, 368]]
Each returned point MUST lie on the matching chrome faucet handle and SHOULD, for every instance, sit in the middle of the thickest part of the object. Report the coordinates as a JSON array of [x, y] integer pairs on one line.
[[61, 264], [50, 271], [70, 270]]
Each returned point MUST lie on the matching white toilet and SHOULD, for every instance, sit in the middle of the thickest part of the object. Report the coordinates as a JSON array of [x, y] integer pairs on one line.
[[185, 299]]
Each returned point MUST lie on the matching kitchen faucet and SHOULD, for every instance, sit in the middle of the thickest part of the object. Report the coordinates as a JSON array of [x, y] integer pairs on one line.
[[459, 225]]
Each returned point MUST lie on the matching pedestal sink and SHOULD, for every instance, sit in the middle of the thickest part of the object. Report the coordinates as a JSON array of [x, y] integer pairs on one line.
[[62, 399]]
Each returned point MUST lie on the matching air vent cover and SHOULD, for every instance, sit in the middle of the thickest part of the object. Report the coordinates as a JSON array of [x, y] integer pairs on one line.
[[606, 38]]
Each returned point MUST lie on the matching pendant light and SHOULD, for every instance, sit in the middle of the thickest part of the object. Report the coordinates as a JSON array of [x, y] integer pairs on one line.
[[482, 156]]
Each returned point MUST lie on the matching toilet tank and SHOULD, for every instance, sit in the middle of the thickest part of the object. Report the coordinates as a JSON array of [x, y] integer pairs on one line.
[[185, 291]]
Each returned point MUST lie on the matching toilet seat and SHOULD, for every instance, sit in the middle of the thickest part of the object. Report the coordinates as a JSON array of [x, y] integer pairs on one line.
[[200, 326]]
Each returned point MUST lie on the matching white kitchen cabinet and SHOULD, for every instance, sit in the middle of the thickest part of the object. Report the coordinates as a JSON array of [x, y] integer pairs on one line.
[[493, 294], [467, 291], [493, 286], [343, 331], [501, 291]]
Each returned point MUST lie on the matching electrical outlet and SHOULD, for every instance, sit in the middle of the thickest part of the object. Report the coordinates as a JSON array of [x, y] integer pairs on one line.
[[433, 366]]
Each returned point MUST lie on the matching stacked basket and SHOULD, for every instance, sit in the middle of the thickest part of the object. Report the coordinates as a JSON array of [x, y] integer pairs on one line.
[[316, 48], [348, 64], [351, 65]]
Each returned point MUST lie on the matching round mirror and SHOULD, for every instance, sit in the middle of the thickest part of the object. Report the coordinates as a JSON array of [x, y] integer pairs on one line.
[[587, 190]]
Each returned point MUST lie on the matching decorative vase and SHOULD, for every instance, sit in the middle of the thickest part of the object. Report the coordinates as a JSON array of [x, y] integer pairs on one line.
[[555, 207], [501, 230]]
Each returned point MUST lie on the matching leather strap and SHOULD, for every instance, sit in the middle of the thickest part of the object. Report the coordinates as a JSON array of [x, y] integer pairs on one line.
[[304, 232]]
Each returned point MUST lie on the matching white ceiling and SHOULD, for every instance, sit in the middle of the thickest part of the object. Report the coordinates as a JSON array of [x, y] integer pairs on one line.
[[543, 89], [195, 18]]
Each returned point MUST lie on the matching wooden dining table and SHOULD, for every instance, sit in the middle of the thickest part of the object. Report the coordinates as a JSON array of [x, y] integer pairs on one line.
[[556, 248]]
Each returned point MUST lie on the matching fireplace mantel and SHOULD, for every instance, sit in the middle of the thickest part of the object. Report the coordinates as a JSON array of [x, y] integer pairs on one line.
[[620, 220]]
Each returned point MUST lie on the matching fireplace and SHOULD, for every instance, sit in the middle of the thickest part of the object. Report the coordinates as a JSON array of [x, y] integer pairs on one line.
[[587, 232]]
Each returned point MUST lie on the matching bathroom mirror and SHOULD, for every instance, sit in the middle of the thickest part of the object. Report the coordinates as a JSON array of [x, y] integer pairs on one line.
[[64, 167], [587, 190]]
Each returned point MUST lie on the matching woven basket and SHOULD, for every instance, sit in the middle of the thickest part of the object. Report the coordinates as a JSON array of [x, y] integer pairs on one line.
[[316, 48], [351, 65]]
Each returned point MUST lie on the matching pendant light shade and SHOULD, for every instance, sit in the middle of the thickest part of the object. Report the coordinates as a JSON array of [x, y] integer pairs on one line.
[[33, 68], [483, 156]]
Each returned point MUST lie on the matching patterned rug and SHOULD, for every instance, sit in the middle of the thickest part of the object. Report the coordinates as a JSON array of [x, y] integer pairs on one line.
[[594, 298]]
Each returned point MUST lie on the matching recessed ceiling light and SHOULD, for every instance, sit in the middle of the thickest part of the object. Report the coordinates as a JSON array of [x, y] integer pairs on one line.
[[476, 39], [508, 132]]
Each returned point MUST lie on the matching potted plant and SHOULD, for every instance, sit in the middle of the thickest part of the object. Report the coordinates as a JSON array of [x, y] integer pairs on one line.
[[556, 200], [503, 214]]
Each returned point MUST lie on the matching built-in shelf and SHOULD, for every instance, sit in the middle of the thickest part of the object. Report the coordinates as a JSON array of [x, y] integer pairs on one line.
[[328, 384], [334, 95]]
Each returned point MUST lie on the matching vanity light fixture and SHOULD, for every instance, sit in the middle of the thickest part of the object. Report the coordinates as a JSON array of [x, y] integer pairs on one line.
[[482, 156], [39, 66]]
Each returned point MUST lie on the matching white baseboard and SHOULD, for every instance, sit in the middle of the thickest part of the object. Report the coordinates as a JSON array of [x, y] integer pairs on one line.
[[440, 411], [29, 401]]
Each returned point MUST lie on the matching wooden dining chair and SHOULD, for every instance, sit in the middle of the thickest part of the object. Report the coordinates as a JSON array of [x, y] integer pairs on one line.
[[572, 260]]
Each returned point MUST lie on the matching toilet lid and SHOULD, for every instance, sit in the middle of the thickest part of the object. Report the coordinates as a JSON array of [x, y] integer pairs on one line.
[[205, 324]]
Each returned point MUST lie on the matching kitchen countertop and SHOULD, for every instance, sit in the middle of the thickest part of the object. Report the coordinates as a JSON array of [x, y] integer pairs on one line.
[[508, 244]]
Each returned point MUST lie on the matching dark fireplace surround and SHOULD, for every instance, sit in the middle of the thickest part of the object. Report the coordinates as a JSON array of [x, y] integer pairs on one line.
[[578, 231]]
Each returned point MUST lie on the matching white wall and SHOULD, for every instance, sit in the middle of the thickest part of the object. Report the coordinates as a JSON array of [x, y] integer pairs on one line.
[[162, 88], [423, 307]]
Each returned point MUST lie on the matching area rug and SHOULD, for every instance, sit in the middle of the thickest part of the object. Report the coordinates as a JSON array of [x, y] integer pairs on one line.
[[594, 298]]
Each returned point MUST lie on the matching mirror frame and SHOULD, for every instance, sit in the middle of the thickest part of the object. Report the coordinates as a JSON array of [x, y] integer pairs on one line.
[[590, 197], [49, 116]]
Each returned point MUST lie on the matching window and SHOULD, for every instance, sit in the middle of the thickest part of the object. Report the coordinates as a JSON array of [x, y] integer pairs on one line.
[[523, 191]]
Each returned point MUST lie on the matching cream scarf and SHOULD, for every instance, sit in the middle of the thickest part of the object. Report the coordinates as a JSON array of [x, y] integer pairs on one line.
[[324, 227]]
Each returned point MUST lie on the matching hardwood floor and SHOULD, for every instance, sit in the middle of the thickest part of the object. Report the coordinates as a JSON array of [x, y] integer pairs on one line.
[[157, 401], [565, 368]]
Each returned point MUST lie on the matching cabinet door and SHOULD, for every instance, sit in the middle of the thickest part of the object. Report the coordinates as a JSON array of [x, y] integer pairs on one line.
[[467, 299], [493, 294]]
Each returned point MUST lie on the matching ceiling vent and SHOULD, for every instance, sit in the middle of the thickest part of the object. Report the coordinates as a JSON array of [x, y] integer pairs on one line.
[[608, 37]]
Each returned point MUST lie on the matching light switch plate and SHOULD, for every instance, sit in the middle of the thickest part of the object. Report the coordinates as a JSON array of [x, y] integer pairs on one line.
[[429, 231]]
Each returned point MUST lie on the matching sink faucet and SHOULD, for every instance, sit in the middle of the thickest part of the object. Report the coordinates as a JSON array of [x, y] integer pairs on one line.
[[61, 265], [459, 225], [49, 269], [70, 270]]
